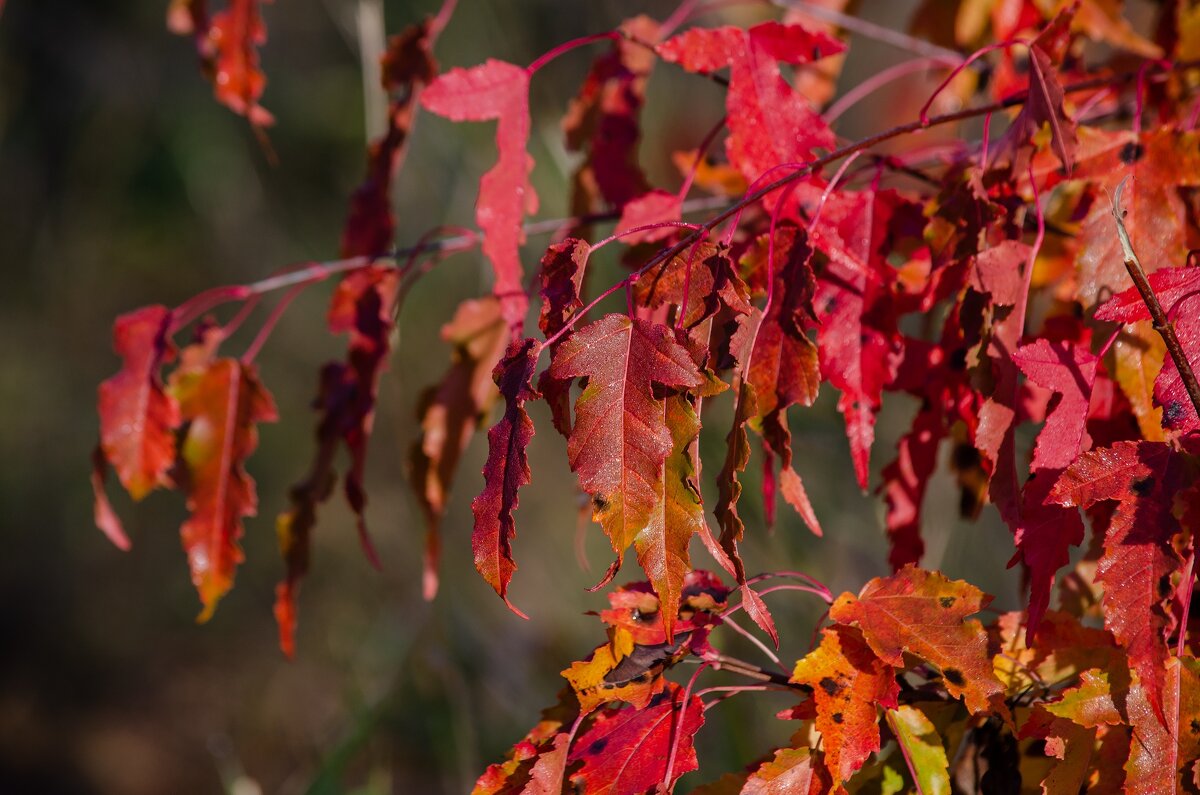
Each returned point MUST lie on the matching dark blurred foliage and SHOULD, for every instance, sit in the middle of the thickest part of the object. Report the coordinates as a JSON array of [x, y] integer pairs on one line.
[[123, 183]]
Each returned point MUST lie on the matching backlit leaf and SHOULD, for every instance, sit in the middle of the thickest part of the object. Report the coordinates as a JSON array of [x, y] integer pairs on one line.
[[496, 90]]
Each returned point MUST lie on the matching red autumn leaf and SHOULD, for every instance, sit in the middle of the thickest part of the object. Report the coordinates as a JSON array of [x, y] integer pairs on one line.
[[103, 515], [625, 752], [636, 608], [653, 208], [620, 442], [707, 275], [997, 273], [234, 35], [221, 401], [506, 469], [1138, 554], [904, 484], [137, 417], [1045, 532], [362, 306], [602, 120], [769, 122], [563, 267], [1162, 756], [849, 684], [859, 343], [1174, 288], [407, 66], [1069, 371], [496, 90], [1157, 163], [451, 411], [1045, 103], [923, 613]]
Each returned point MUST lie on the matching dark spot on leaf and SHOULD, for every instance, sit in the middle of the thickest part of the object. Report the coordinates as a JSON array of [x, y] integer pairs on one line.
[[1173, 412], [597, 747], [829, 685], [837, 717], [1132, 152], [1143, 487], [946, 602], [954, 677], [599, 503], [1195, 726]]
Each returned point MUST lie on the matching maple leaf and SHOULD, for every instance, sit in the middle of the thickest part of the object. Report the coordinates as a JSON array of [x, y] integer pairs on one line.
[[1159, 161], [1173, 287], [859, 344], [619, 443], [602, 120], [904, 483], [137, 417], [234, 36], [924, 614], [496, 90], [848, 683], [656, 208], [407, 66], [451, 411], [626, 751], [1138, 556], [1045, 532], [220, 401], [506, 469], [769, 122], [1044, 105]]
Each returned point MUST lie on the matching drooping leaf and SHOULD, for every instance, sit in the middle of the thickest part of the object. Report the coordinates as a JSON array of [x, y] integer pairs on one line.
[[451, 411], [849, 684], [506, 469], [626, 752], [603, 121], [1138, 554], [234, 36], [562, 274], [407, 66], [103, 515], [496, 90], [678, 513], [923, 749], [619, 443], [221, 401], [859, 343], [769, 122], [137, 417], [924, 614]]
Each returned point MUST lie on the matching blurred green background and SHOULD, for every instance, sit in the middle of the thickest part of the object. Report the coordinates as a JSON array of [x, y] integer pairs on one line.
[[123, 183]]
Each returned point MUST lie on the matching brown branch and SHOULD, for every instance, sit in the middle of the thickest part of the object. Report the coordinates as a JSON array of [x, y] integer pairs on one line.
[[1162, 324]]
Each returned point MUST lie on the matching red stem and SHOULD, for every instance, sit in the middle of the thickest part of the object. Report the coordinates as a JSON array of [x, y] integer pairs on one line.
[[269, 324], [566, 47]]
